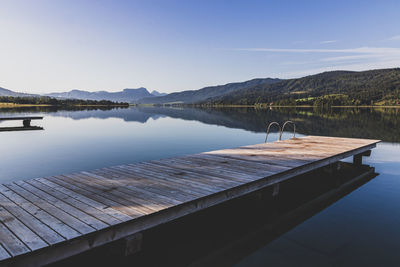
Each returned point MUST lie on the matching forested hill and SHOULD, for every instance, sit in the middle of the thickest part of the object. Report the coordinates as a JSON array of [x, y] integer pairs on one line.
[[374, 87], [195, 96]]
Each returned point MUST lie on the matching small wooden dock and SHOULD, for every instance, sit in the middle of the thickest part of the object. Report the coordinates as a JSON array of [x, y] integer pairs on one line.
[[47, 219], [26, 122]]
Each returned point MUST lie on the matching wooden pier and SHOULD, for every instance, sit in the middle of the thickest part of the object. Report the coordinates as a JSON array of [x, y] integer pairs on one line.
[[47, 219], [26, 122]]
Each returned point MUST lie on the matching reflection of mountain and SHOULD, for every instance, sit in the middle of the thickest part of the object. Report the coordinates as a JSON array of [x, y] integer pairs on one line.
[[130, 114], [346, 122]]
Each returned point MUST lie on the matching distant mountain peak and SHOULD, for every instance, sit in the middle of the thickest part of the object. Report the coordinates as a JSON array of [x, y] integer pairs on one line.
[[142, 89], [156, 93], [7, 92], [130, 95]]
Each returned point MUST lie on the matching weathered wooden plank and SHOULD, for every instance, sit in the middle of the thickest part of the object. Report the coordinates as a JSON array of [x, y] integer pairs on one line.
[[359, 141], [161, 189], [21, 118], [93, 194], [207, 162], [138, 192], [82, 216], [270, 160], [112, 191], [283, 155], [193, 175], [307, 148], [184, 164], [11, 243], [66, 218], [41, 229], [96, 213], [197, 180], [226, 173], [3, 253], [156, 178], [54, 223], [98, 205], [159, 175], [243, 165], [30, 239]]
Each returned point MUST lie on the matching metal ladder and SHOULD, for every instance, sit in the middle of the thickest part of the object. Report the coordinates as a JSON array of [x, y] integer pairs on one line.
[[281, 129]]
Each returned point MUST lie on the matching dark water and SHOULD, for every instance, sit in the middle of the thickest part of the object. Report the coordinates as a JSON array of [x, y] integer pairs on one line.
[[362, 228]]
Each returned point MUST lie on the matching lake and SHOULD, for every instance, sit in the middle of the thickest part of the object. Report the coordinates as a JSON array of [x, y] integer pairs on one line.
[[362, 228]]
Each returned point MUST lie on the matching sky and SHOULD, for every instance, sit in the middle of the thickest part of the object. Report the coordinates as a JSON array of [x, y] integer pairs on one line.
[[168, 45]]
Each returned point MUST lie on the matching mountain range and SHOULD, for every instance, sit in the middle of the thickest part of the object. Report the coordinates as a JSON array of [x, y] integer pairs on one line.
[[126, 95], [372, 87], [7, 92], [195, 96]]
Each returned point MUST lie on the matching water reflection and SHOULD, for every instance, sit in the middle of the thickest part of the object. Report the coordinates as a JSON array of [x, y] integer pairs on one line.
[[373, 123]]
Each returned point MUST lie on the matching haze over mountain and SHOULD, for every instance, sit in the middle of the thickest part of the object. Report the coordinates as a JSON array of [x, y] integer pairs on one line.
[[156, 93], [7, 92], [126, 95], [194, 96]]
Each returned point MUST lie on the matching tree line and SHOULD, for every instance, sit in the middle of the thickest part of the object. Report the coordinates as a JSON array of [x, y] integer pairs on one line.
[[45, 100]]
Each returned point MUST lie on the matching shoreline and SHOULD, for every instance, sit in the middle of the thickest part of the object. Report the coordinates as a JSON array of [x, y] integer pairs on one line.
[[13, 105], [258, 106]]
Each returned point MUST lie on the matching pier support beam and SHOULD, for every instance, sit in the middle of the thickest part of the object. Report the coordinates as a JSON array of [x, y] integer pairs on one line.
[[357, 159], [26, 123], [275, 190], [133, 244]]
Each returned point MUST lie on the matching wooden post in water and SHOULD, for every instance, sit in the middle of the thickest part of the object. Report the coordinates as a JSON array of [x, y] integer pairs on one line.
[[357, 159], [26, 123]]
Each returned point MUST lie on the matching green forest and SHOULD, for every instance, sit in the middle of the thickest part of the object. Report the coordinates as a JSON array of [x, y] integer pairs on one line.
[[45, 100], [336, 88]]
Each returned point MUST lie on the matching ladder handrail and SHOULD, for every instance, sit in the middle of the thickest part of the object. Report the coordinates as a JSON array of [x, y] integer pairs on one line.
[[283, 128], [269, 126]]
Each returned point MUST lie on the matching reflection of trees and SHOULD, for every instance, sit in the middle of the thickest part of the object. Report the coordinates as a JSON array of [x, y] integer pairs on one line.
[[374, 123], [344, 122]]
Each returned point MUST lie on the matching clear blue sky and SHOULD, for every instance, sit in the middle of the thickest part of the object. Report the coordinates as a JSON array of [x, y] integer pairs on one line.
[[57, 45]]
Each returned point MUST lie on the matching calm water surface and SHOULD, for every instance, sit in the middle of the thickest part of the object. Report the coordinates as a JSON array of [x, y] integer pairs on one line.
[[362, 228]]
